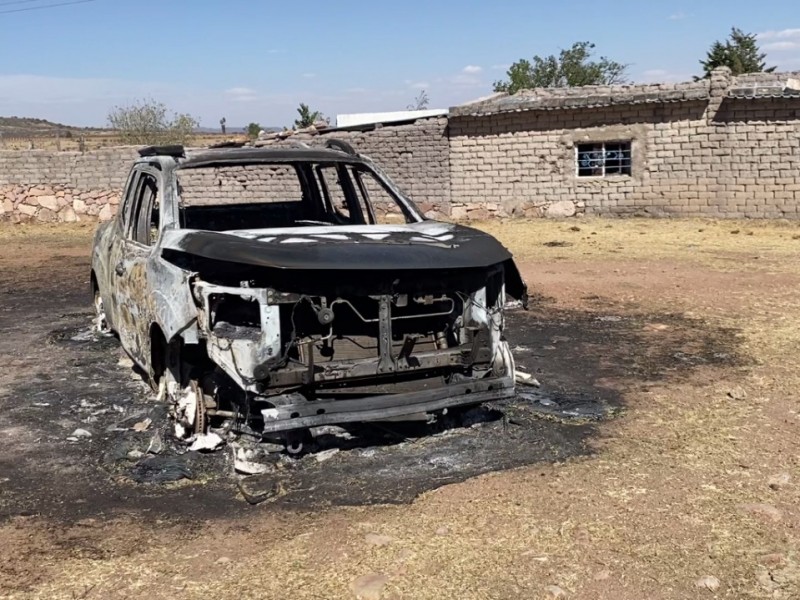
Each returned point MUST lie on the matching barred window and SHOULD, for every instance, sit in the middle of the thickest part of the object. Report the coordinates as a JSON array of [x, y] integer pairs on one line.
[[603, 159]]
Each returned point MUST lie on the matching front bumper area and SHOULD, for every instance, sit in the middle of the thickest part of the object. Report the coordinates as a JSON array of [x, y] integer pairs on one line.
[[296, 413]]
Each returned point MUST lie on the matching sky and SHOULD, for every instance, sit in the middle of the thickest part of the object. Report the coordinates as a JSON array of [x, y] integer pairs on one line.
[[71, 61]]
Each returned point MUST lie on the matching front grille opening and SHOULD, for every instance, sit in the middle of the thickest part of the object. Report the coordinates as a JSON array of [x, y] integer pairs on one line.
[[234, 317]]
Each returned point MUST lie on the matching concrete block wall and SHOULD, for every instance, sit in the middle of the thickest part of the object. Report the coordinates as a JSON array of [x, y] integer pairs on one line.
[[719, 157]]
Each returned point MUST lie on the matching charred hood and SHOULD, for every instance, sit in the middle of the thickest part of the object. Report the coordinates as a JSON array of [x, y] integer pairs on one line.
[[425, 250]]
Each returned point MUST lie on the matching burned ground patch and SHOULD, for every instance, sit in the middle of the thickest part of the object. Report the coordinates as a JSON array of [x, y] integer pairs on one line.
[[64, 382]]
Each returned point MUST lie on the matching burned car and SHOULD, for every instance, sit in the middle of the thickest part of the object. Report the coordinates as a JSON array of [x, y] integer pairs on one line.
[[272, 290]]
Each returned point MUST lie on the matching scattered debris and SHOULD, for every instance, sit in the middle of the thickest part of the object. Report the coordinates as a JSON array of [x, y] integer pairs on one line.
[[160, 469], [708, 582], [326, 454], [156, 445], [526, 379], [206, 442], [84, 336], [557, 244], [142, 425], [737, 393], [779, 481], [246, 467], [259, 488], [555, 591], [243, 461]]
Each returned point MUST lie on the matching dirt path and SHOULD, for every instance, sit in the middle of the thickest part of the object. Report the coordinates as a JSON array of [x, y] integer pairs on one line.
[[680, 334]]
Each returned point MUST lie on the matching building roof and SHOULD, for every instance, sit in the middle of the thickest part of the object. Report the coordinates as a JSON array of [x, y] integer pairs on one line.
[[751, 85], [589, 96], [765, 85]]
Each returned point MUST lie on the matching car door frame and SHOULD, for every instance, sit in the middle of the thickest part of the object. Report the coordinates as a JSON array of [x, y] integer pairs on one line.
[[133, 298]]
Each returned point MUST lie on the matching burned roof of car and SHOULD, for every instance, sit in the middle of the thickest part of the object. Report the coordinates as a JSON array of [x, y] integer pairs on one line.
[[234, 156]]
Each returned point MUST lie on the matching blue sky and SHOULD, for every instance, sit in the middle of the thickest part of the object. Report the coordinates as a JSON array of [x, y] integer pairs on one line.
[[252, 60]]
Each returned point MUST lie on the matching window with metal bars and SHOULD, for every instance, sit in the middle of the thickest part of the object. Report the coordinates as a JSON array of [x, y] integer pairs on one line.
[[603, 159]]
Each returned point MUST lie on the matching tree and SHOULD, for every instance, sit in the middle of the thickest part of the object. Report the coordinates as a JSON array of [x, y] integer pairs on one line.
[[307, 117], [420, 102], [253, 130], [571, 68], [740, 53], [145, 122]]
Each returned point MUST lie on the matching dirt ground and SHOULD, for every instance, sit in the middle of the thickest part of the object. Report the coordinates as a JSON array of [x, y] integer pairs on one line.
[[659, 459]]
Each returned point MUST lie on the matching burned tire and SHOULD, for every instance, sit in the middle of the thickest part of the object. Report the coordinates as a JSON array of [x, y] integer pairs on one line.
[[101, 325]]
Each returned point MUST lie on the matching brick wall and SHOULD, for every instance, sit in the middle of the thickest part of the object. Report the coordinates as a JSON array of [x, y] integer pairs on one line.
[[718, 157]]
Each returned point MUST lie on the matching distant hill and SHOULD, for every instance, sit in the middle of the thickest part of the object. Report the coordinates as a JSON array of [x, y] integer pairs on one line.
[[30, 127], [26, 127]]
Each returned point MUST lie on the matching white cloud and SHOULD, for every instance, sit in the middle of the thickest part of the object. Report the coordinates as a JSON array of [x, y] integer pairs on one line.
[[678, 16], [781, 46], [465, 80], [781, 34], [472, 69], [241, 94]]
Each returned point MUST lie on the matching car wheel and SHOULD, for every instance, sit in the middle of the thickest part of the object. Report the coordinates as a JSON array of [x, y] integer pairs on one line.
[[100, 319]]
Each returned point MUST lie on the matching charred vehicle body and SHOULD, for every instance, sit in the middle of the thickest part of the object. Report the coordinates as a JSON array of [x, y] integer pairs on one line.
[[271, 290]]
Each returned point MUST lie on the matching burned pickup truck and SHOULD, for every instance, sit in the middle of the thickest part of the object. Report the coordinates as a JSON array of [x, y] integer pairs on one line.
[[271, 290]]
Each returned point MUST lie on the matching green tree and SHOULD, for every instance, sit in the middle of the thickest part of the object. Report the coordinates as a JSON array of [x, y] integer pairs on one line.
[[740, 53], [146, 122], [572, 67], [253, 129], [307, 117]]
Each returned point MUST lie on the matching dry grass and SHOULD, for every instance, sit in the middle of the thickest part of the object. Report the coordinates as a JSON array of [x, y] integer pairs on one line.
[[710, 242], [656, 507]]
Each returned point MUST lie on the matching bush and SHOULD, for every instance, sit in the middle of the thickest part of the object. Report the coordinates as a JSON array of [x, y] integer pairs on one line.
[[146, 123]]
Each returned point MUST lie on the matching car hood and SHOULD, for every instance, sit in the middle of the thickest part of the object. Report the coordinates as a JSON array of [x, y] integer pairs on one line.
[[427, 245]]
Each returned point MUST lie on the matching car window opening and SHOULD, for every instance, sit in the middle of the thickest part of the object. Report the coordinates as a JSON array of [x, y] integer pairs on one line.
[[267, 196]]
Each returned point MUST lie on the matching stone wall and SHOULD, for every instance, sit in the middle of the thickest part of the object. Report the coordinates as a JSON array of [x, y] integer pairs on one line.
[[721, 156], [68, 186], [62, 186]]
